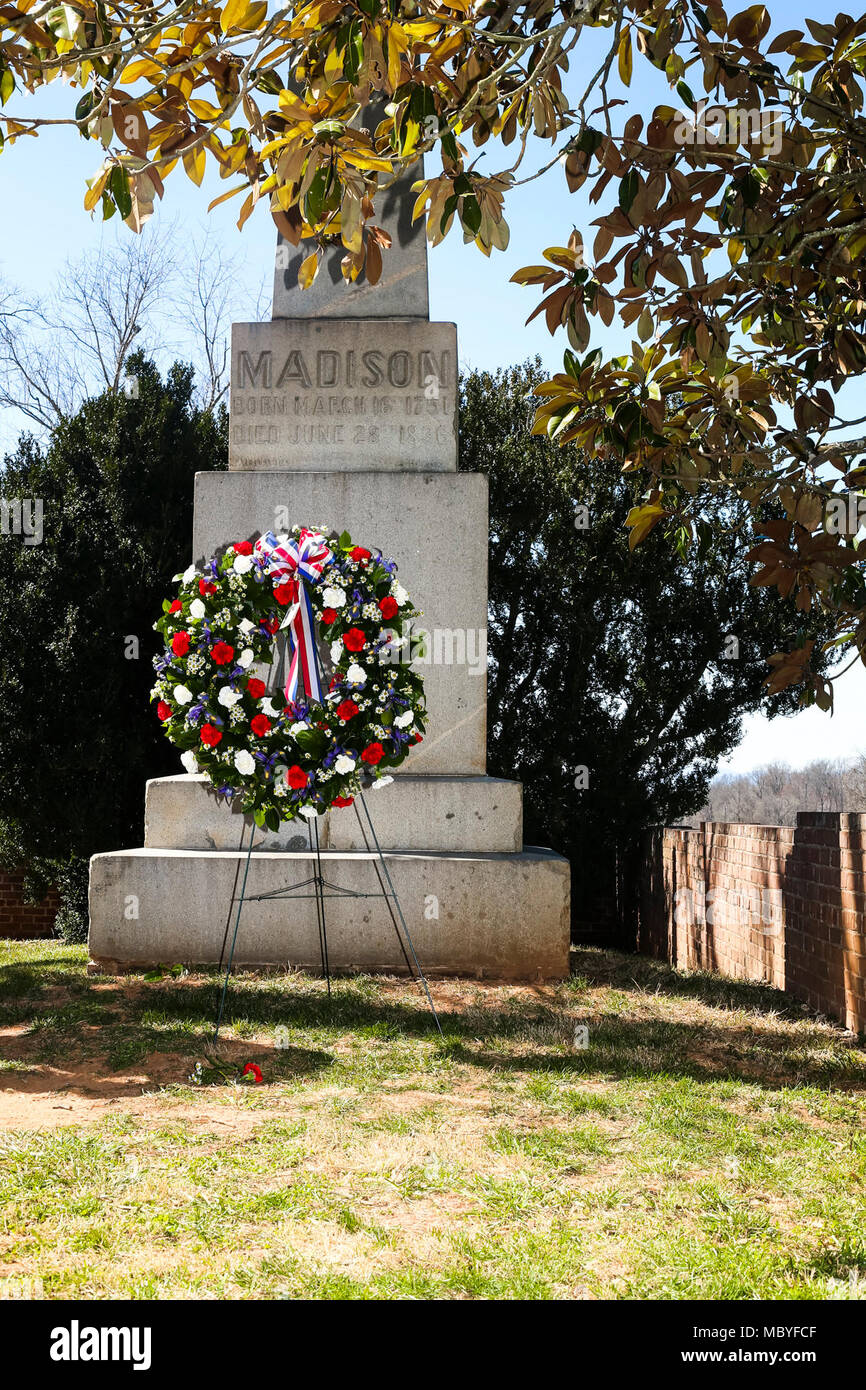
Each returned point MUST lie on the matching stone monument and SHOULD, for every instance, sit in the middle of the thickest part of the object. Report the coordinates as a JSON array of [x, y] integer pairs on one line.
[[344, 413]]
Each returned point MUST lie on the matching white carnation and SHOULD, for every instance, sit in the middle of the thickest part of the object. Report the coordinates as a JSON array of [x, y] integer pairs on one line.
[[309, 811], [189, 574], [405, 719], [380, 782], [400, 594], [247, 656], [268, 707], [342, 764], [336, 650], [188, 760], [197, 610], [245, 763], [182, 695], [333, 598], [245, 626], [228, 697], [356, 675], [242, 564], [297, 728]]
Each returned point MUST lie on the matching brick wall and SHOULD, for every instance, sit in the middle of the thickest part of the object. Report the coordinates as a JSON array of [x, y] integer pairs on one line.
[[782, 904], [21, 919]]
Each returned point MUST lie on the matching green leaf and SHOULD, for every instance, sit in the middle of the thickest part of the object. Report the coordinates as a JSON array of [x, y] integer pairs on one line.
[[449, 145], [628, 190], [470, 214], [313, 741], [85, 106], [448, 210], [119, 187]]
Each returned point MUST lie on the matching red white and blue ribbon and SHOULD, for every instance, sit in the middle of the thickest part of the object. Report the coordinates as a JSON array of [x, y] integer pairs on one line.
[[290, 561]]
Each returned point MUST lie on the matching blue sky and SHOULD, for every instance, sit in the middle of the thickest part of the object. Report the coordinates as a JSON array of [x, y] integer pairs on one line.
[[45, 225]]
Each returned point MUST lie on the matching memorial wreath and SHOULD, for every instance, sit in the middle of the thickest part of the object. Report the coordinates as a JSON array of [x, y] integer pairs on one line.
[[293, 752]]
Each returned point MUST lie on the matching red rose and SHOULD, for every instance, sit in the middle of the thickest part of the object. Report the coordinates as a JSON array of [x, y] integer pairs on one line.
[[388, 606], [418, 739], [205, 587], [243, 548], [296, 777], [329, 615], [210, 735], [163, 710], [354, 640], [260, 725], [222, 653], [373, 754], [176, 606], [359, 553], [255, 1072], [180, 643], [285, 593], [347, 709], [342, 801], [256, 688]]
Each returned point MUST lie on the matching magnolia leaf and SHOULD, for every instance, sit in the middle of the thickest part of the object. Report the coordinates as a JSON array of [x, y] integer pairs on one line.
[[645, 325], [194, 164], [641, 521], [232, 14], [624, 58], [309, 270]]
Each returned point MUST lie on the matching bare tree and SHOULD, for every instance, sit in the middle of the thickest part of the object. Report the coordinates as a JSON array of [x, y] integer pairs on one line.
[[163, 291], [207, 300], [772, 795]]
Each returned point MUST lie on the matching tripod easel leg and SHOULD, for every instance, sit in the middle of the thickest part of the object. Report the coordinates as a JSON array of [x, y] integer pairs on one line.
[[384, 889], [407, 933], [222, 1003], [313, 826], [389, 893]]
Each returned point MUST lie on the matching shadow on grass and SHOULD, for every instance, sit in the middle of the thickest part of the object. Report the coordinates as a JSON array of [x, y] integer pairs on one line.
[[616, 970], [128, 1021]]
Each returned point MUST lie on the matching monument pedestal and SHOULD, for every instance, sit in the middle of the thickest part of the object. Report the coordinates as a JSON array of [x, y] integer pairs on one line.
[[441, 813], [487, 915], [351, 424]]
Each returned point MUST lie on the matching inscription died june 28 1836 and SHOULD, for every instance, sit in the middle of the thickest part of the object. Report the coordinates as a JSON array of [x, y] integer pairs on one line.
[[316, 394]]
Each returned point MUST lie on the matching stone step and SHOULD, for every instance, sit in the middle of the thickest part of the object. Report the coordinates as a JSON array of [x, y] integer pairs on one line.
[[459, 814], [498, 916]]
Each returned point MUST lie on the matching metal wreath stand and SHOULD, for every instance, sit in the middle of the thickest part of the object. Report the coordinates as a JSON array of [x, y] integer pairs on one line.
[[322, 888]]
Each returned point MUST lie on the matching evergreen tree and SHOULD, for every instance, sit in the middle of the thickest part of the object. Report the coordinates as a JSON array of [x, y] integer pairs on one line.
[[77, 736], [636, 666]]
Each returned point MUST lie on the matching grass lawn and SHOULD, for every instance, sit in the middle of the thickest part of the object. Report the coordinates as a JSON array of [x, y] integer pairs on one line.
[[708, 1143]]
